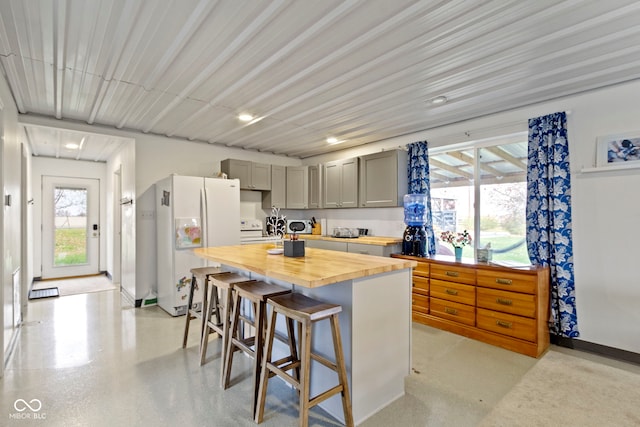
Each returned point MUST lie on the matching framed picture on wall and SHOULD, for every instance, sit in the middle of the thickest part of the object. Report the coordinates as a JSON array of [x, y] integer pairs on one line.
[[622, 150]]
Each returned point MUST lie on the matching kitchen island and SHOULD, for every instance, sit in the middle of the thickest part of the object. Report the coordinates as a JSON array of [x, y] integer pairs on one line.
[[375, 294]]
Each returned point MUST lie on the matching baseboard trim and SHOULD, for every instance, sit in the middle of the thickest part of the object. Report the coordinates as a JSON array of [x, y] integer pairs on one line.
[[106, 273], [599, 349]]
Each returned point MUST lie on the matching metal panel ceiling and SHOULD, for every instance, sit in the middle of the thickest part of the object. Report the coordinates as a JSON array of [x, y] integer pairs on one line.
[[361, 71]]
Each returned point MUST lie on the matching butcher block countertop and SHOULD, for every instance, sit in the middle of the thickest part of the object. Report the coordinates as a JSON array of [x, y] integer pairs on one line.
[[364, 240], [319, 267]]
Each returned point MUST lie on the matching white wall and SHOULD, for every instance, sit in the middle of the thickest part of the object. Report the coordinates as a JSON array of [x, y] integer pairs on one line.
[[158, 157], [10, 217], [606, 206], [43, 166]]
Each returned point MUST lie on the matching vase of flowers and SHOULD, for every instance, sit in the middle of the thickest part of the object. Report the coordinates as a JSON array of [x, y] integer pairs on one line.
[[457, 240]]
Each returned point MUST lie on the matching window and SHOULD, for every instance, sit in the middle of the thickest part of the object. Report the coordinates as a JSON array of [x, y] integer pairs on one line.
[[482, 189]]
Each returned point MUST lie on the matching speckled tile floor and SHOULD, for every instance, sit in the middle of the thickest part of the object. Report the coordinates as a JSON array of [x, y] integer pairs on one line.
[[92, 360]]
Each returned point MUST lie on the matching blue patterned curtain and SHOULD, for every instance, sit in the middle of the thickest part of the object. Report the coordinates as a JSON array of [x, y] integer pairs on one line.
[[549, 240], [419, 184]]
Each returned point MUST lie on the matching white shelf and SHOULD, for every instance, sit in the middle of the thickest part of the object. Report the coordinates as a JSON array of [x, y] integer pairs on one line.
[[609, 168]]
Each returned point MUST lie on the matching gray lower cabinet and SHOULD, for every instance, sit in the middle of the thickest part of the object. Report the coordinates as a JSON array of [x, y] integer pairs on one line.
[[356, 248], [326, 244], [276, 198], [383, 179], [340, 189], [252, 176], [377, 250]]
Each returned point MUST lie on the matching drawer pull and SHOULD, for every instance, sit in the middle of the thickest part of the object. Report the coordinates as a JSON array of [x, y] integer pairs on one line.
[[452, 273], [504, 281], [450, 311], [504, 301], [503, 324], [451, 291]]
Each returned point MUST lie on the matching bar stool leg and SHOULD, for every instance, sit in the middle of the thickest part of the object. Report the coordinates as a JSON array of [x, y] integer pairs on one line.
[[305, 374], [189, 317], [228, 359], [264, 373], [342, 370], [212, 306], [226, 325]]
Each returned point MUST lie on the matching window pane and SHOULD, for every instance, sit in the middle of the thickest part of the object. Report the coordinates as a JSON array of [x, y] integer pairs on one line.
[[452, 196], [70, 205], [503, 192]]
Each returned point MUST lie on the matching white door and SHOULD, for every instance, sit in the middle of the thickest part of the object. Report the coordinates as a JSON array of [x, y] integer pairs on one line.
[[70, 227]]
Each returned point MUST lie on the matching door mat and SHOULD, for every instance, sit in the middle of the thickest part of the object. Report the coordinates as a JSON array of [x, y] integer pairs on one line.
[[43, 293]]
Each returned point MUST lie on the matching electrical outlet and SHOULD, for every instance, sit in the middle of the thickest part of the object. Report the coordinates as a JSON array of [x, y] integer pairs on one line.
[[147, 214]]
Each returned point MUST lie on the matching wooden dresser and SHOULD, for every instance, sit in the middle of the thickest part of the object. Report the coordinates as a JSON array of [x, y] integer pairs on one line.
[[503, 306]]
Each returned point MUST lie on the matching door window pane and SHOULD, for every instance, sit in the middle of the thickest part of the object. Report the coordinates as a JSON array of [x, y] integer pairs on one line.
[[70, 215]]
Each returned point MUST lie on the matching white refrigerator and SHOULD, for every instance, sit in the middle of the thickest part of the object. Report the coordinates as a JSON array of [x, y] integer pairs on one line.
[[191, 212]]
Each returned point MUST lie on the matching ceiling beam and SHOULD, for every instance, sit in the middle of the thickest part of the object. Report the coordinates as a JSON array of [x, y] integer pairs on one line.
[[500, 152], [452, 169]]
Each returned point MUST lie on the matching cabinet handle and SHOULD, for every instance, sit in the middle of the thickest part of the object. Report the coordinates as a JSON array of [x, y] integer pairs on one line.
[[504, 281], [451, 291], [504, 301], [503, 324], [452, 273], [450, 311]]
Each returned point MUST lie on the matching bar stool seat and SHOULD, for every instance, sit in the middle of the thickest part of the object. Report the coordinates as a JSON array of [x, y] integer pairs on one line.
[[198, 275], [306, 311], [217, 317], [257, 293]]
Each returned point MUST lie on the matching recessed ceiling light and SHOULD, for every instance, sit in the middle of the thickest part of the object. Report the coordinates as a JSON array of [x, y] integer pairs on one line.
[[332, 140], [439, 100], [71, 146], [245, 117]]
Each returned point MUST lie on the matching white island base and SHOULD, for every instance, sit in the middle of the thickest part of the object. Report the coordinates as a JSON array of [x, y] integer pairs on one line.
[[375, 324]]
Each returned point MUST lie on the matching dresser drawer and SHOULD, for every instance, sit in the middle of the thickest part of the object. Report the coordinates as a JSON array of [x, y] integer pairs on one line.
[[421, 285], [507, 281], [507, 302], [420, 303], [507, 324], [450, 291], [422, 269], [453, 273], [457, 312]]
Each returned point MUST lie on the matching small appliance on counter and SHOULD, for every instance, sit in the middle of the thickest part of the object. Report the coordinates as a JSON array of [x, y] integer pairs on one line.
[[346, 233], [299, 226]]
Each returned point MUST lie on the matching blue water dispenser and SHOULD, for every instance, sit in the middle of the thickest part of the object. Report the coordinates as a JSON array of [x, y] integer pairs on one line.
[[414, 240]]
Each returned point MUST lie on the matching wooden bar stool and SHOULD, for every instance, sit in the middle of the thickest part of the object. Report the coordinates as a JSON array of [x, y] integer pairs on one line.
[[257, 293], [306, 311], [198, 275], [216, 316]]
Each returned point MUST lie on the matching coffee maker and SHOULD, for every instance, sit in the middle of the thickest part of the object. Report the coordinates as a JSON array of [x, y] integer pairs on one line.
[[414, 240]]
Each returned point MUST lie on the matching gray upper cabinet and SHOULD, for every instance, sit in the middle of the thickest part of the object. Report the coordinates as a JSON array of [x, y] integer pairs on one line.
[[276, 198], [383, 179], [315, 187], [340, 189], [252, 176], [297, 187]]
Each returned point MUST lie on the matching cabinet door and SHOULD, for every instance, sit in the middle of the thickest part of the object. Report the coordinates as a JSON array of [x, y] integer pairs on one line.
[[332, 184], [327, 244], [314, 187], [297, 187], [239, 169], [260, 176], [276, 198], [379, 179], [349, 193]]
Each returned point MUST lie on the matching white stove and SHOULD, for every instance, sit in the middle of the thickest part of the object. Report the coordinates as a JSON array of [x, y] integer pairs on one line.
[[252, 231]]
